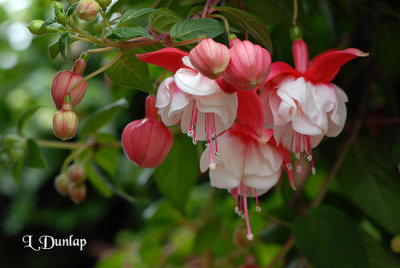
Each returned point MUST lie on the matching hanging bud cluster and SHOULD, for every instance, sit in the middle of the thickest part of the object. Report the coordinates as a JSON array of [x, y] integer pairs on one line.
[[72, 183]]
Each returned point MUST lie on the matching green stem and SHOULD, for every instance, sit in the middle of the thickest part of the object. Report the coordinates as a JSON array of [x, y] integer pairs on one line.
[[59, 144], [105, 20], [295, 11], [74, 155], [100, 50], [79, 38], [82, 32], [102, 69], [224, 20]]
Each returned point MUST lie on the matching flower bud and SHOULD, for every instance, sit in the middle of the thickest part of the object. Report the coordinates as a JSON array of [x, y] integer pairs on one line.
[[147, 142], [64, 80], [76, 173], [395, 244], [249, 65], [210, 58], [87, 10], [61, 183], [35, 27], [104, 3], [77, 192], [65, 122]]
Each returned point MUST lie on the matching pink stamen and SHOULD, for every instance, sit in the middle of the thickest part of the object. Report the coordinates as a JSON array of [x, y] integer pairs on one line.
[[250, 235], [310, 157]]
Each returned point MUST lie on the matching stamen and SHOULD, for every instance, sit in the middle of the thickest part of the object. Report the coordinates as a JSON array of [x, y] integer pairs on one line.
[[310, 158], [249, 235], [258, 209], [212, 165]]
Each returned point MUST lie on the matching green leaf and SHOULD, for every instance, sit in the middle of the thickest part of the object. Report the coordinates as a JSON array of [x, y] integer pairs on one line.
[[206, 234], [107, 158], [130, 72], [97, 181], [46, 23], [369, 179], [328, 237], [135, 13], [17, 169], [54, 50], [378, 257], [129, 32], [190, 29], [103, 116], [162, 20], [248, 22], [34, 157], [25, 117], [176, 176], [63, 43], [71, 9]]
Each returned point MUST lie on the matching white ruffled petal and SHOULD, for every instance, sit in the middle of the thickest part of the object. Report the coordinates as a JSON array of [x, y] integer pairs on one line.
[[193, 82]]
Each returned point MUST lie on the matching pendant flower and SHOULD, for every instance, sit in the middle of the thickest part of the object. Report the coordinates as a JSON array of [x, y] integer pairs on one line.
[[301, 105], [189, 97], [248, 162]]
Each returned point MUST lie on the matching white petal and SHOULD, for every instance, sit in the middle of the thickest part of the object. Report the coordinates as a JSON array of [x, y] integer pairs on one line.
[[163, 93], [232, 152], [339, 113], [262, 182], [192, 82], [186, 61]]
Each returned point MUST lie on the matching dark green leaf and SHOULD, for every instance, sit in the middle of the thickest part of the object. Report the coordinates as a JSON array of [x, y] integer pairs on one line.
[[103, 116], [63, 43], [162, 20], [25, 117], [97, 181], [135, 13], [248, 22], [176, 176], [46, 23], [126, 33], [370, 180], [206, 237], [378, 257], [107, 158], [54, 50], [328, 237], [190, 29], [71, 9], [17, 169], [34, 157], [130, 72]]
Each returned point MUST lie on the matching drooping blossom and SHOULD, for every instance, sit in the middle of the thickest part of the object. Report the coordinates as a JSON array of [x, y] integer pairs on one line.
[[248, 162], [189, 97], [147, 142], [301, 104]]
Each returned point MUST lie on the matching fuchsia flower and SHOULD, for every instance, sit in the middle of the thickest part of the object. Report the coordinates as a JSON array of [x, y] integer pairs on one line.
[[301, 105], [191, 98], [147, 142], [248, 162]]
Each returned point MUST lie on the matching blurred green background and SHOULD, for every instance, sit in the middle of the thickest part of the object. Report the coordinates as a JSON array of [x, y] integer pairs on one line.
[[135, 226]]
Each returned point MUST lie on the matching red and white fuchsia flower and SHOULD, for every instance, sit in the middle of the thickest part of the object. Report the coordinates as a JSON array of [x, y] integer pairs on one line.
[[147, 142], [248, 162], [301, 105]]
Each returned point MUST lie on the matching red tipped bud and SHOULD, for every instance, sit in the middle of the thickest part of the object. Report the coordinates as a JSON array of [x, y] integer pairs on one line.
[[210, 58], [61, 183], [65, 122], [76, 173], [249, 65], [147, 142], [64, 80], [87, 10], [77, 192]]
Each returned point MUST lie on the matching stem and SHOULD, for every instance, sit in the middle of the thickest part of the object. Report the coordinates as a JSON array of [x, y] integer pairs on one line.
[[203, 14], [184, 42], [337, 164], [295, 11], [79, 38], [59, 144], [105, 20], [99, 50], [102, 69], [75, 154], [288, 244], [82, 32], [241, 6], [224, 20]]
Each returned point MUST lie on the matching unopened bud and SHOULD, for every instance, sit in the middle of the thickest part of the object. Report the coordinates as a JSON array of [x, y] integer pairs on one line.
[[395, 244], [76, 173], [77, 192], [210, 58], [61, 183], [65, 122], [87, 10], [35, 27], [104, 3]]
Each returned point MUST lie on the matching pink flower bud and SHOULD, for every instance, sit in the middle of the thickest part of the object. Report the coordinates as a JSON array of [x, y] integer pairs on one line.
[[210, 58], [64, 80], [87, 10], [249, 65], [65, 122], [77, 192], [61, 183], [300, 55], [76, 173], [147, 142]]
